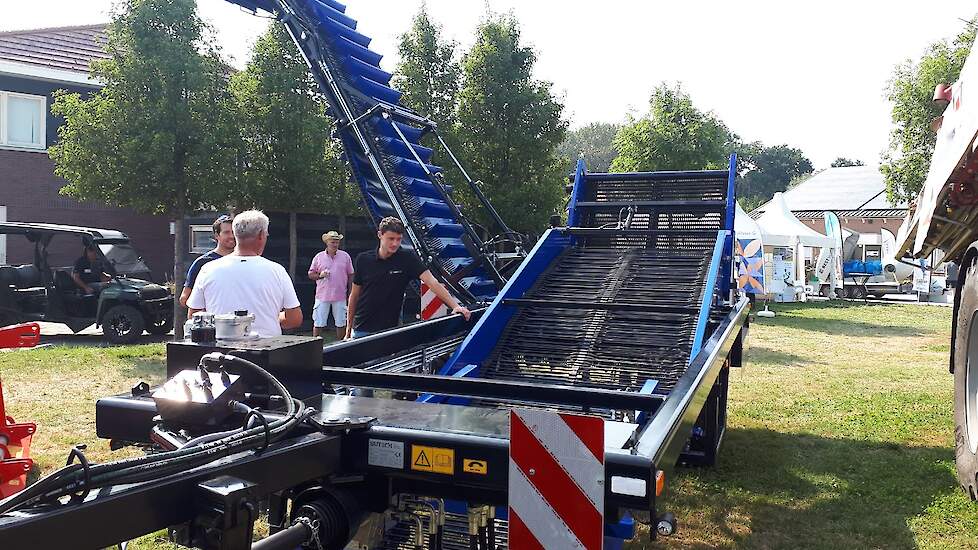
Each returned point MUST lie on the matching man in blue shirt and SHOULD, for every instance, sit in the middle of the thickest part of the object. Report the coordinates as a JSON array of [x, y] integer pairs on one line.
[[225, 245]]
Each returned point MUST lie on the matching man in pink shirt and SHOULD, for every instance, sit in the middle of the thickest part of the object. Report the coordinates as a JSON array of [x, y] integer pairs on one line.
[[332, 270]]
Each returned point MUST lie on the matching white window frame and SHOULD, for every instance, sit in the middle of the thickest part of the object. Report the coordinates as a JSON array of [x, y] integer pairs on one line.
[[200, 228], [4, 119]]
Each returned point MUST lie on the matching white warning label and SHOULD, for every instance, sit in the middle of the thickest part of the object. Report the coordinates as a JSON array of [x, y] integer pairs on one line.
[[389, 454]]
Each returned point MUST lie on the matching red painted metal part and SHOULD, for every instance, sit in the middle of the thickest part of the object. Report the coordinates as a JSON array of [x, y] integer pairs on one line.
[[24, 335], [15, 451]]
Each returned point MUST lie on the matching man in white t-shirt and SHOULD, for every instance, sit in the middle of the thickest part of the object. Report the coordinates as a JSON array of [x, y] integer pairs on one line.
[[244, 280]]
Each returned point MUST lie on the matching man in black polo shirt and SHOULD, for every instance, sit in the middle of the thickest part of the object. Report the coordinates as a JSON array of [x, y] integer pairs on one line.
[[380, 278], [89, 271]]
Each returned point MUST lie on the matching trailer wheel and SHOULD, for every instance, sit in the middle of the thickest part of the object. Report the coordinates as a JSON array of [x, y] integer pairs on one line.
[[966, 385]]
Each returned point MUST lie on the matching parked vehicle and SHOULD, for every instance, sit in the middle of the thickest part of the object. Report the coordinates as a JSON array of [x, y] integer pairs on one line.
[[945, 218], [41, 288]]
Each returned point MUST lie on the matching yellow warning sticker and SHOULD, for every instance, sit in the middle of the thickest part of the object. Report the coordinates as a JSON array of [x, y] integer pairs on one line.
[[433, 459], [475, 466]]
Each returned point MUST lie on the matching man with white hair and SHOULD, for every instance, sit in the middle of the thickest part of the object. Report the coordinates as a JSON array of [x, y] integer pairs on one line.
[[245, 280]]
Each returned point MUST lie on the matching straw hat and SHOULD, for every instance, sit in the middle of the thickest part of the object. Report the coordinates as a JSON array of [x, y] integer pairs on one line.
[[332, 235]]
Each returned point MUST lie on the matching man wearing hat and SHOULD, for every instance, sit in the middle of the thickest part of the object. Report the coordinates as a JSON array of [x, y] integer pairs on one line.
[[332, 269]]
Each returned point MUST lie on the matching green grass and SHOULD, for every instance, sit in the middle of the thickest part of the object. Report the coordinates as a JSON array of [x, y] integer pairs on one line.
[[839, 436]]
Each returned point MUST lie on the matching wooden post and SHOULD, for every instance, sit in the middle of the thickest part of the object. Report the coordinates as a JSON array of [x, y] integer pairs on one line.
[[293, 244], [180, 247]]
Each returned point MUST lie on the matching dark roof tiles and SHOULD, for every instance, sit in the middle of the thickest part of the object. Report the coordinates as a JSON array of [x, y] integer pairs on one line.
[[61, 48]]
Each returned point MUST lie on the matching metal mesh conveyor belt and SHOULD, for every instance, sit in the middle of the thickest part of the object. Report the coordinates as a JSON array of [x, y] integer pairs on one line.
[[606, 348], [620, 307]]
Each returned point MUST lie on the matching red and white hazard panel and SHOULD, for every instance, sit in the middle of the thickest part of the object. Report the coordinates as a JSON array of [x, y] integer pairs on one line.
[[431, 305], [556, 480]]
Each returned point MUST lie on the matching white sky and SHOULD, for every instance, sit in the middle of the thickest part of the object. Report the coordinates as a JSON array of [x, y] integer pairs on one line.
[[810, 75]]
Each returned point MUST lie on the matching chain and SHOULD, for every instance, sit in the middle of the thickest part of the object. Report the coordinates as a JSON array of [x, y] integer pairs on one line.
[[313, 525]]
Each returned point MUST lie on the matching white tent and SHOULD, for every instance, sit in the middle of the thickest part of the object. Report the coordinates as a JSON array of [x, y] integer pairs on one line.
[[744, 226], [779, 227]]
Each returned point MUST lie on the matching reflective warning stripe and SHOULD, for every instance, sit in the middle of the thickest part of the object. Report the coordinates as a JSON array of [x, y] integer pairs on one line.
[[431, 305], [526, 502], [576, 456], [556, 480]]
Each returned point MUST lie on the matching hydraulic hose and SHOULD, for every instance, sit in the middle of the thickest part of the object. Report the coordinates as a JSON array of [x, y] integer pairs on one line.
[[71, 478]]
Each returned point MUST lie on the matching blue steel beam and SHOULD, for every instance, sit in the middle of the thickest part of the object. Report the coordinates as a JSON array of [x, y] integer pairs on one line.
[[481, 340], [726, 277], [708, 292]]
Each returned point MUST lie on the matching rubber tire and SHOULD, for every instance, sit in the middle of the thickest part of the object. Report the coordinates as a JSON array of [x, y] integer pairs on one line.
[[136, 322], [966, 461], [160, 330]]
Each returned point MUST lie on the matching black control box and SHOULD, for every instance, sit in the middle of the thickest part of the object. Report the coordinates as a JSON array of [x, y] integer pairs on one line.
[[296, 361]]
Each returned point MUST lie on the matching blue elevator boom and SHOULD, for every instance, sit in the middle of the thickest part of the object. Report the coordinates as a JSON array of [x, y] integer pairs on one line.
[[382, 141]]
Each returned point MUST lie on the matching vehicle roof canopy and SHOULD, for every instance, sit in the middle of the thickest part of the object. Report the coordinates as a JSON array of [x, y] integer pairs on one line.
[[17, 228]]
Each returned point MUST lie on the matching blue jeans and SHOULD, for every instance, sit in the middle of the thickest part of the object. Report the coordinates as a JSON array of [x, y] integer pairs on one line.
[[360, 333]]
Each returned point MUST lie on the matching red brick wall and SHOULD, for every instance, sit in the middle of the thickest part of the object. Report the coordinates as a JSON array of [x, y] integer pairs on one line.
[[29, 190]]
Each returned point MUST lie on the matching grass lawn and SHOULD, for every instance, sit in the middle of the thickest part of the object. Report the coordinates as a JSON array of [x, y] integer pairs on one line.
[[839, 434]]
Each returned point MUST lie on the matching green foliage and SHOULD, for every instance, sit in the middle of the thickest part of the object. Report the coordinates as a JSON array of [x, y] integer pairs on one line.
[[428, 73], [595, 141], [509, 127], [911, 90], [674, 135], [158, 137], [291, 163], [843, 162], [763, 171]]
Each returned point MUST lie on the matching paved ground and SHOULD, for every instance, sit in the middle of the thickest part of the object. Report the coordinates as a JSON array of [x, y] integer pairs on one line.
[[56, 334]]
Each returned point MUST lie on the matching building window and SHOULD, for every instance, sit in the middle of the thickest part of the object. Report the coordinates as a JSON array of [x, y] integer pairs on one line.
[[201, 239], [22, 120]]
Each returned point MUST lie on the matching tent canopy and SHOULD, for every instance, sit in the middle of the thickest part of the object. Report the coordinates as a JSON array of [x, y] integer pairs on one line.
[[744, 226], [779, 227]]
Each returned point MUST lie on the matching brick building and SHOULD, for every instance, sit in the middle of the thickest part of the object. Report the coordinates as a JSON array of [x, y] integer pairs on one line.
[[33, 65], [857, 194]]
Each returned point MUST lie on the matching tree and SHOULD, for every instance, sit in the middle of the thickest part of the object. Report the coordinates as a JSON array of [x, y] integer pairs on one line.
[[509, 127], [764, 171], [290, 160], [158, 137], [843, 162], [674, 135], [428, 73], [911, 90], [595, 141]]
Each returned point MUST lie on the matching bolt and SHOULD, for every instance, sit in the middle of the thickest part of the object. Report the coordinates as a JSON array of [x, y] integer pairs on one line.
[[664, 528], [533, 472]]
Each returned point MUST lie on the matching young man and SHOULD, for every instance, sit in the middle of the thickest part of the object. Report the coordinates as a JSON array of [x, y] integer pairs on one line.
[[89, 271], [331, 269], [380, 279], [224, 236], [246, 281]]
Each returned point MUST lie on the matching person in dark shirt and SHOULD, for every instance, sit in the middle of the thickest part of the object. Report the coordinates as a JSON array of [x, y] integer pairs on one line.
[[89, 271], [224, 236], [380, 278]]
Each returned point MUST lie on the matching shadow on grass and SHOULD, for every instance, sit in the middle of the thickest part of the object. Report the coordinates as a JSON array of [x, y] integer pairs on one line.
[[97, 340], [794, 316], [147, 369], [777, 490], [760, 355]]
